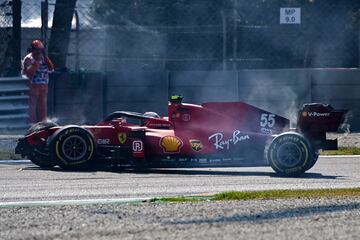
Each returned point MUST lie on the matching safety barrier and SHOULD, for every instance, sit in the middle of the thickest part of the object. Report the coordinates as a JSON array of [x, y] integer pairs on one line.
[[13, 103]]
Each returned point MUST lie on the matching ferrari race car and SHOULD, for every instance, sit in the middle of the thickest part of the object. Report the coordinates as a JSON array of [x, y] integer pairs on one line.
[[211, 134]]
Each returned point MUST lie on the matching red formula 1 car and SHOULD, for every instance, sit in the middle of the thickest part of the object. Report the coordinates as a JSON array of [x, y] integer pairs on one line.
[[211, 134]]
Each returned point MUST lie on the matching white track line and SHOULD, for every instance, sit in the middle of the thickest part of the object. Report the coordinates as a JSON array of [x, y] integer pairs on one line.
[[340, 156], [70, 202], [15, 161]]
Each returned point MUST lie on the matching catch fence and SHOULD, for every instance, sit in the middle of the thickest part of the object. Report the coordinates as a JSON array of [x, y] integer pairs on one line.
[[109, 35]]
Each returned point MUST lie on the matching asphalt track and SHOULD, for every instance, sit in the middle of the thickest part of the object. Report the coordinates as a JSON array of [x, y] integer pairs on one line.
[[21, 181]]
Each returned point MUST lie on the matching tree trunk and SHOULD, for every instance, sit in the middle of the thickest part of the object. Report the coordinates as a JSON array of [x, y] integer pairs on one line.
[[60, 31]]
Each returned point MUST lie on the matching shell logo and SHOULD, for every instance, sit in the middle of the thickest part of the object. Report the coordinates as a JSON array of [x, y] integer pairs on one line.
[[171, 144]]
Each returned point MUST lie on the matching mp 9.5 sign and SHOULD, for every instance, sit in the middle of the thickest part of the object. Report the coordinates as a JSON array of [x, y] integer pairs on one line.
[[290, 15]]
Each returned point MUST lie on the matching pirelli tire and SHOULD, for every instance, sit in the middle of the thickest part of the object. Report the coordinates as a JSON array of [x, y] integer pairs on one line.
[[41, 160], [291, 154], [73, 147]]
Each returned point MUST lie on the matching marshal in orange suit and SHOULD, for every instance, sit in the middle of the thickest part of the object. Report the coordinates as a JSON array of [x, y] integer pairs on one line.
[[37, 66]]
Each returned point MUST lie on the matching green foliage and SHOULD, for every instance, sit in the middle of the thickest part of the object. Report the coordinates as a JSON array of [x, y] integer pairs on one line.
[[270, 194], [342, 151], [277, 194]]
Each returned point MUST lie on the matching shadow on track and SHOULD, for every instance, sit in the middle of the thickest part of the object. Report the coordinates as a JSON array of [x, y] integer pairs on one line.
[[210, 172]]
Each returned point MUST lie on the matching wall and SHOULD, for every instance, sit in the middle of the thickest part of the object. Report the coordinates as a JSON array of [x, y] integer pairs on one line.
[[13, 103], [76, 98], [340, 88], [88, 98], [136, 91]]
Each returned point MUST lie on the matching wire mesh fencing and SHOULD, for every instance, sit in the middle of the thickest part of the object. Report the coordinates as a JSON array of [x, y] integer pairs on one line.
[[110, 35], [213, 35], [5, 37], [326, 34], [31, 24], [146, 37]]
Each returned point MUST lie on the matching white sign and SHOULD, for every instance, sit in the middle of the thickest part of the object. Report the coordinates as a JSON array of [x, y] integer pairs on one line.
[[290, 15]]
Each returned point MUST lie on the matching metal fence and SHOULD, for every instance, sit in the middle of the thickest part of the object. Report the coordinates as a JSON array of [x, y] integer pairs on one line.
[[326, 36], [5, 34], [110, 35], [9, 30], [146, 38]]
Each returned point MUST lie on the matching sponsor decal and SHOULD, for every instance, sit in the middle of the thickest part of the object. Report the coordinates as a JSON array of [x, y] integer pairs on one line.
[[221, 143], [159, 125], [266, 130], [196, 145], [316, 114], [202, 160], [217, 160], [122, 137], [104, 141], [186, 117], [168, 159], [138, 146], [171, 144]]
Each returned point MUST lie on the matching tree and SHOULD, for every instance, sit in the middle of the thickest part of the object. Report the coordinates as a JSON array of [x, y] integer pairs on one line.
[[60, 31]]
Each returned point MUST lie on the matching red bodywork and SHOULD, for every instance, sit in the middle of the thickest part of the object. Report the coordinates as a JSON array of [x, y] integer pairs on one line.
[[217, 131]]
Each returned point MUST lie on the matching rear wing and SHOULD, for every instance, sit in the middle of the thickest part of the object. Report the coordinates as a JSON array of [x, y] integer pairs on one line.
[[316, 119]]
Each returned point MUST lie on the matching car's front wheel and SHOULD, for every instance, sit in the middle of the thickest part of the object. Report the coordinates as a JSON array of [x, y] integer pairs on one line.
[[41, 160], [72, 147], [36, 156], [290, 154]]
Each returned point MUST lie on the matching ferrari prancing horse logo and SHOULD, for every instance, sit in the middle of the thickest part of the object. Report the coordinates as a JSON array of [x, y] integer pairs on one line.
[[122, 137]]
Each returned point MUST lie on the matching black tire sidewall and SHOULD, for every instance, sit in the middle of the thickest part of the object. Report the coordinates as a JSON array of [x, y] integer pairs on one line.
[[58, 139], [313, 160], [306, 154], [42, 161]]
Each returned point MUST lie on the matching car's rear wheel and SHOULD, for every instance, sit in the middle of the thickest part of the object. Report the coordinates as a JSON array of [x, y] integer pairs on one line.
[[290, 154], [72, 148], [313, 160]]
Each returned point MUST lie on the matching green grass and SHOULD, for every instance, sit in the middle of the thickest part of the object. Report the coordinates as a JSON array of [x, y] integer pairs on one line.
[[271, 194], [342, 151], [276, 194]]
